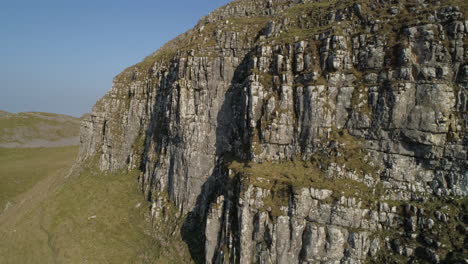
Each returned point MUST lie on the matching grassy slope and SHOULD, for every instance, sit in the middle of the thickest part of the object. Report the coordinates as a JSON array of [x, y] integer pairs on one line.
[[21, 169], [88, 217], [92, 217], [23, 127]]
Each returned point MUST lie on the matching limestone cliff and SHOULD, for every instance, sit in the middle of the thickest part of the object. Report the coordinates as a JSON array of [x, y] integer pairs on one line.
[[301, 132]]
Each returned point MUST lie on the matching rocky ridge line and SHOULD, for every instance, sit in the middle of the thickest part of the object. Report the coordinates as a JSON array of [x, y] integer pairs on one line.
[[365, 104]]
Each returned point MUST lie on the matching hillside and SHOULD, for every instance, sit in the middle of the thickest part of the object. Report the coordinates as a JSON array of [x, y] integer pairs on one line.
[[34, 146], [22, 168], [50, 213], [87, 218], [35, 129], [274, 131]]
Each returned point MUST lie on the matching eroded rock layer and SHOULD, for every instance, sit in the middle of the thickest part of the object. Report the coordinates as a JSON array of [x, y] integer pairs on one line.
[[302, 131]]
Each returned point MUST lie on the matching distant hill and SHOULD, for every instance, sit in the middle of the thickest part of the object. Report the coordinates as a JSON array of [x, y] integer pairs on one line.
[[36, 129]]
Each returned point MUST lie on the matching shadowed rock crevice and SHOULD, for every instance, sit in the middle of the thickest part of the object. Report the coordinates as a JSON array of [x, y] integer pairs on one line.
[[230, 141]]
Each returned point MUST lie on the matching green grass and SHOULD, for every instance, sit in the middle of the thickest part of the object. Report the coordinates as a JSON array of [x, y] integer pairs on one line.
[[21, 169], [348, 153], [93, 217], [297, 174], [285, 177], [88, 217], [26, 126]]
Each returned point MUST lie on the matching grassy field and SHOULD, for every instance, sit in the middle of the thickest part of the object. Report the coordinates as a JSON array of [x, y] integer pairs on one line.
[[90, 217], [21, 169], [49, 214]]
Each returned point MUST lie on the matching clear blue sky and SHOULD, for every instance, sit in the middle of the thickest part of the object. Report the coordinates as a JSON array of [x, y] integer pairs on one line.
[[61, 55]]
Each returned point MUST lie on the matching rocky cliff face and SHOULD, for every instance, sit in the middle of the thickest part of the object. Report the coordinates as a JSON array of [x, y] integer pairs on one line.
[[301, 132]]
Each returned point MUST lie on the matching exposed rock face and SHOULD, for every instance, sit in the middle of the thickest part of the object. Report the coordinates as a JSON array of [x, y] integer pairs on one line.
[[368, 101]]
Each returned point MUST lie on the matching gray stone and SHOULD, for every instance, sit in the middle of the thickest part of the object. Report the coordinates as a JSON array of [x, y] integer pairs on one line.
[[347, 96]]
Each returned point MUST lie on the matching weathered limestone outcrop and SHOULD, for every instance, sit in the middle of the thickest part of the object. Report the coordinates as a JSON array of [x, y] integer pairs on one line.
[[302, 131]]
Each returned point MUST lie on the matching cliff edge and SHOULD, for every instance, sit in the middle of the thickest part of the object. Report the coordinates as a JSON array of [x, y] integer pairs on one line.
[[301, 132]]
